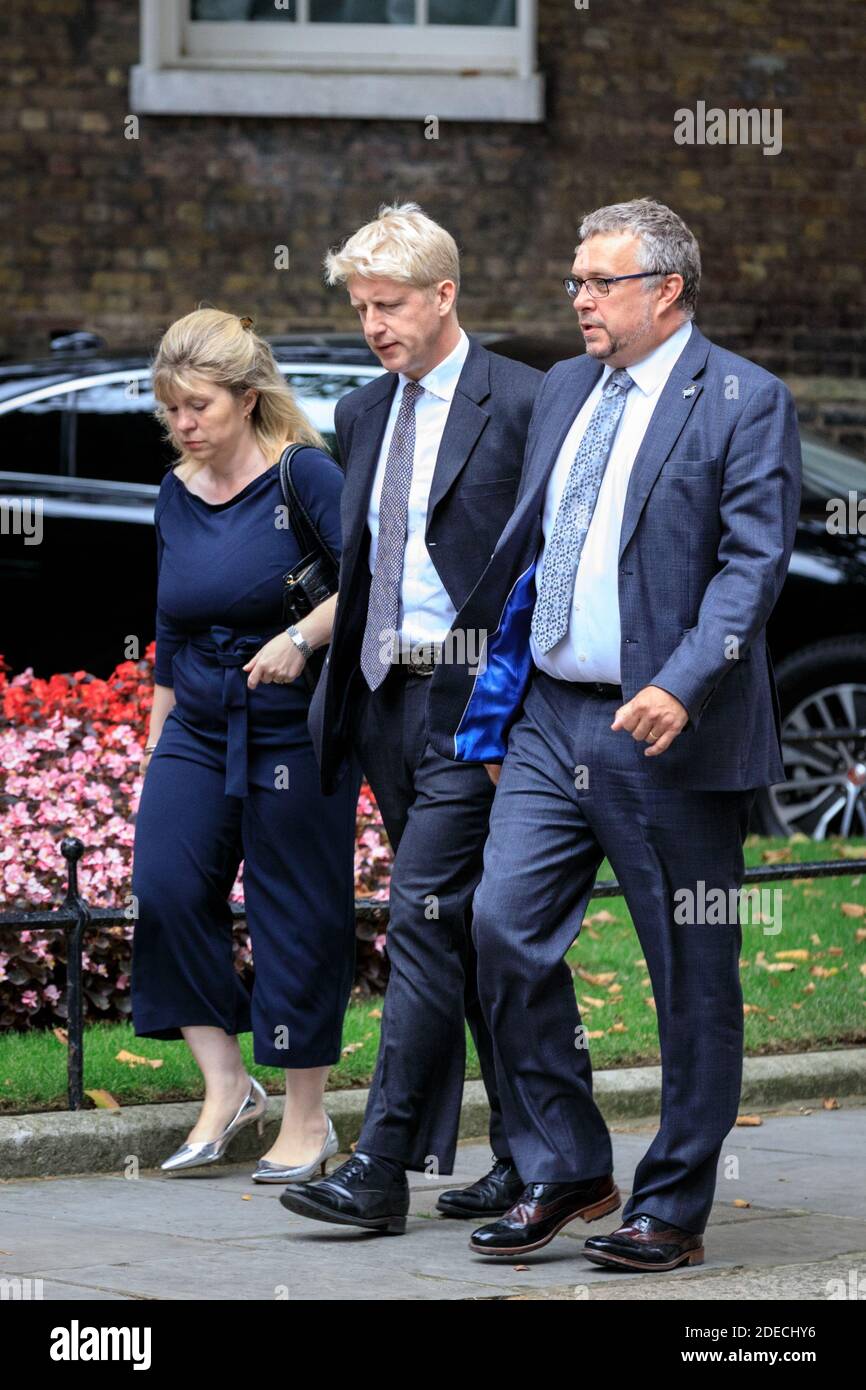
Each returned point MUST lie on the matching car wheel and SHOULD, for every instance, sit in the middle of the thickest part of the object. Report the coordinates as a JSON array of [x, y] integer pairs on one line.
[[821, 688]]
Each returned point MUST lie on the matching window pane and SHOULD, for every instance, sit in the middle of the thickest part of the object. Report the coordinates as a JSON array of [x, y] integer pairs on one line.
[[115, 434], [362, 11], [213, 10], [491, 12], [32, 437]]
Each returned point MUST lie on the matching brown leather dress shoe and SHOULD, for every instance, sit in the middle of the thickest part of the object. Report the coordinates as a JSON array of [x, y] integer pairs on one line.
[[646, 1242], [541, 1211]]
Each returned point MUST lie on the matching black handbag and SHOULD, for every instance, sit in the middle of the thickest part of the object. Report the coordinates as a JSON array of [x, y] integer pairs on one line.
[[315, 577]]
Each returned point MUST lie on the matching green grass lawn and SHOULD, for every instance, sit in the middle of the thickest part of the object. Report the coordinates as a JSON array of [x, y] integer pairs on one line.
[[792, 1009]]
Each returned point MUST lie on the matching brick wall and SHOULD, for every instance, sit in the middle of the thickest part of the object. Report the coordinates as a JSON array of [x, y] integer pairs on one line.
[[122, 236]]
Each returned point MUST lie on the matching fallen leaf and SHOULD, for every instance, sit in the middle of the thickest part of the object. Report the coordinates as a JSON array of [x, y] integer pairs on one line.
[[831, 1103], [752, 1009], [860, 934], [741, 1202], [132, 1059], [792, 955], [61, 1035], [780, 965], [245, 1197], [592, 1003], [597, 1033], [605, 978], [822, 973], [853, 909], [614, 989], [602, 916], [520, 1269], [350, 1048], [776, 856], [103, 1100], [835, 951], [617, 1028], [745, 1120], [651, 1002], [375, 1013]]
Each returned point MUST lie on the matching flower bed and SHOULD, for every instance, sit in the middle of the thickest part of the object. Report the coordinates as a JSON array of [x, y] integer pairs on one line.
[[70, 748]]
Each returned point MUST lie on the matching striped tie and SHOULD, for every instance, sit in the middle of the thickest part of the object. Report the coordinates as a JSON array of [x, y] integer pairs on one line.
[[384, 606]]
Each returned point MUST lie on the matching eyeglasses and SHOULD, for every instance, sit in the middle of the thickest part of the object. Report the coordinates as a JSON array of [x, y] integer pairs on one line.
[[599, 285]]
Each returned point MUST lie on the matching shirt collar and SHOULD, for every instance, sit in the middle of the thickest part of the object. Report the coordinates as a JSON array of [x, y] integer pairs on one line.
[[653, 370], [442, 380]]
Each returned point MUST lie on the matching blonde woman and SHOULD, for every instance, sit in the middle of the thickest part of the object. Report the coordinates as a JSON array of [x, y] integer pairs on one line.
[[230, 770]]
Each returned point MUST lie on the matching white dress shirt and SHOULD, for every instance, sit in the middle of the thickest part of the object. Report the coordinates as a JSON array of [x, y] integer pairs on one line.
[[590, 649], [426, 612]]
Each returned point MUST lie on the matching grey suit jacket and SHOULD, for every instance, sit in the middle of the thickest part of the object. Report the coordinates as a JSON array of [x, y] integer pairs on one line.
[[707, 532]]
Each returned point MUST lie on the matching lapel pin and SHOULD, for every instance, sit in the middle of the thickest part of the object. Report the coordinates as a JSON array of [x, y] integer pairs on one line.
[[689, 391]]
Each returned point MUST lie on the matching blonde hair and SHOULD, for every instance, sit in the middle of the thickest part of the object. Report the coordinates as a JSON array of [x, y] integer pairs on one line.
[[224, 350], [401, 243]]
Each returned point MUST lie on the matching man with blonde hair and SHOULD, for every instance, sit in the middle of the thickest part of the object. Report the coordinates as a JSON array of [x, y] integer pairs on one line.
[[433, 451]]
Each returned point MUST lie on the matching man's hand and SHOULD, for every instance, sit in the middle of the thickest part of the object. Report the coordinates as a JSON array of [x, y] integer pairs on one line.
[[493, 771], [654, 716]]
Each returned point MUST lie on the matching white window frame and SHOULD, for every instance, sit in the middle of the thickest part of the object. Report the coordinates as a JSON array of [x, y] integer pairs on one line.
[[363, 71]]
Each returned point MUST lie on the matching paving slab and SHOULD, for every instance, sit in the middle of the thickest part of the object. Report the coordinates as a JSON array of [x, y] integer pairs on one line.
[[219, 1236]]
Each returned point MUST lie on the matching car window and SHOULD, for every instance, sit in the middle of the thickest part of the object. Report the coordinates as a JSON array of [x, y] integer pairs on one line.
[[317, 394], [33, 436], [113, 432], [830, 472]]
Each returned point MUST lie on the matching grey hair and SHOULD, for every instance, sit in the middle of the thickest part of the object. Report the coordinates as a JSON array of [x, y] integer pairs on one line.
[[666, 243]]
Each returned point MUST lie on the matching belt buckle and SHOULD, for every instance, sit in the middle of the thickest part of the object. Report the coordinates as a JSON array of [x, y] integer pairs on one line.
[[410, 655]]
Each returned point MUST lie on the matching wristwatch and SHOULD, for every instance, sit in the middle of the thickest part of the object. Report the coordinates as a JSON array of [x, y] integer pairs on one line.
[[300, 641]]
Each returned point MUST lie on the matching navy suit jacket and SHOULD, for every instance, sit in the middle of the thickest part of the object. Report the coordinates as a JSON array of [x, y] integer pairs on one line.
[[707, 531], [472, 494]]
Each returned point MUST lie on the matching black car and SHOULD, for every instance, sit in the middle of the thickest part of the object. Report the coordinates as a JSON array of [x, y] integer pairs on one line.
[[79, 434]]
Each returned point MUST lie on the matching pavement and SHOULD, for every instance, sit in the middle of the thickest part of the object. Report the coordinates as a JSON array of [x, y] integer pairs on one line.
[[136, 1234]]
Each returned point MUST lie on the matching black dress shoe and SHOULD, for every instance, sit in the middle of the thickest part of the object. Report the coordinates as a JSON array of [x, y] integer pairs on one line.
[[361, 1192], [491, 1195], [646, 1242], [541, 1211]]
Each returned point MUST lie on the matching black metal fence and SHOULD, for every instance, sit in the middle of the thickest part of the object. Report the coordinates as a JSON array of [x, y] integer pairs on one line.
[[74, 917]]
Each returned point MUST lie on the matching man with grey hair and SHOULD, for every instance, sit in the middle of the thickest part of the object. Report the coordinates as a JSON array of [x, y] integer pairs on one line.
[[433, 451], [628, 697]]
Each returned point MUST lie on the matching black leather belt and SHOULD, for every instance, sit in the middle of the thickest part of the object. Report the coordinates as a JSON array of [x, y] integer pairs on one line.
[[600, 689]]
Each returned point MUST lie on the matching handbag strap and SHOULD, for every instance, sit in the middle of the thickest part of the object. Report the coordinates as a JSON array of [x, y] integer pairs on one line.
[[302, 524]]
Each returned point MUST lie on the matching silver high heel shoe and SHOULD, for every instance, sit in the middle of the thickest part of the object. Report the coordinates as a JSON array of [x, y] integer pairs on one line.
[[275, 1172], [199, 1154]]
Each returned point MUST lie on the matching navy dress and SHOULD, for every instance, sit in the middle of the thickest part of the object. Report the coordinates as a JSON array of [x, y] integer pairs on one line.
[[234, 777]]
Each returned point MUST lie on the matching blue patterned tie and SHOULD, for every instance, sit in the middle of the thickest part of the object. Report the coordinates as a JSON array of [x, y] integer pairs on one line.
[[577, 504], [384, 606]]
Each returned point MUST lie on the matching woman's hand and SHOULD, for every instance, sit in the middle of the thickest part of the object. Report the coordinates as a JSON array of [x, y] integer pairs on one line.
[[279, 661], [494, 771]]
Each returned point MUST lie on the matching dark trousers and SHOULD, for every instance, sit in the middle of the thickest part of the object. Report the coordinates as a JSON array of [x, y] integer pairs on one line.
[[571, 792], [298, 849], [435, 813]]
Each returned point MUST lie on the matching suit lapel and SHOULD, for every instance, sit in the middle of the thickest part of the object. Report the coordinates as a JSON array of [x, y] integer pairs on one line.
[[364, 454], [678, 396], [570, 398], [466, 419]]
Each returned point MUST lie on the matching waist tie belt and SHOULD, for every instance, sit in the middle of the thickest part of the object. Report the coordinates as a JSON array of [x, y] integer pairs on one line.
[[232, 649]]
